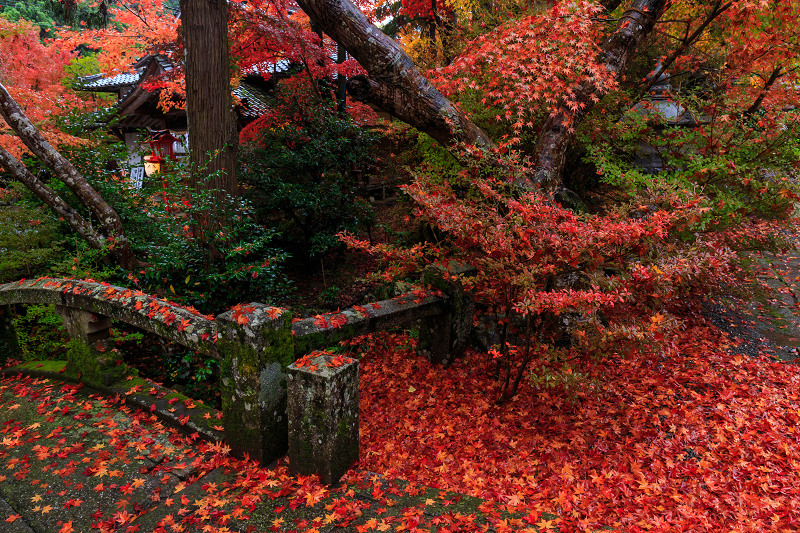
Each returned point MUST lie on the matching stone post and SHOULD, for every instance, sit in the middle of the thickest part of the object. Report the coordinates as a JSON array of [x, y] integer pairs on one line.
[[9, 346], [446, 336], [323, 416], [89, 355], [255, 347]]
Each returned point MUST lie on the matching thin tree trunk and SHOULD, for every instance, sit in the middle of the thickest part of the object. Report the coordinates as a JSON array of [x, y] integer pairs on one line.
[[394, 83], [634, 26], [213, 138], [66, 172], [777, 72], [75, 221]]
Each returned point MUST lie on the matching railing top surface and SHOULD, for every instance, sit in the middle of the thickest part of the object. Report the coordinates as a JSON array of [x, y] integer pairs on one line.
[[167, 319], [192, 329]]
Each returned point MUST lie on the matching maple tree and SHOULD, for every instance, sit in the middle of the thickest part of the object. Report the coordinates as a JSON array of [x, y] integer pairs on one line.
[[547, 70]]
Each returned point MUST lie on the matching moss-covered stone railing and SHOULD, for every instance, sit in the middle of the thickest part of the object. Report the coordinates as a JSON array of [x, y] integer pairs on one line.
[[255, 345]]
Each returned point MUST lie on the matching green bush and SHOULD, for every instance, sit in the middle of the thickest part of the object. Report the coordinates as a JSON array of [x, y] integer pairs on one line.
[[301, 176], [725, 165], [29, 236], [210, 269]]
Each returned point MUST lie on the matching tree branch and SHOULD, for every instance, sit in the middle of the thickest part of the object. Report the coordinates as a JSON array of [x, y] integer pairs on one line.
[[20, 173], [66, 172], [395, 85]]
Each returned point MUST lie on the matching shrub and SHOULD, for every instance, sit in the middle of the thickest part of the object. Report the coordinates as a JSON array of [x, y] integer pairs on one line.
[[299, 162], [557, 284]]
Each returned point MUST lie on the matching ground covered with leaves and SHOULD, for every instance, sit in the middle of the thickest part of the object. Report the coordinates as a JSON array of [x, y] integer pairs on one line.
[[694, 438]]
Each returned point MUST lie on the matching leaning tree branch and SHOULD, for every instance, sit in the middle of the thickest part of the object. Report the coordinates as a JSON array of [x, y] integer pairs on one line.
[[394, 84], [66, 172]]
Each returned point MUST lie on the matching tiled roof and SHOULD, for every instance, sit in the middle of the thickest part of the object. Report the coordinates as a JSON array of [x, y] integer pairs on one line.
[[255, 102], [100, 83]]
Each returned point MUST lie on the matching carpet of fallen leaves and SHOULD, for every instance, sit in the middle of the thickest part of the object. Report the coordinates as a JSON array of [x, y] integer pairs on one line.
[[691, 438], [72, 460], [696, 438]]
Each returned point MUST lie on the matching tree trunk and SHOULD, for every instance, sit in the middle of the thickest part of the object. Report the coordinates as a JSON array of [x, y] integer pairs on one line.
[[635, 24], [213, 138], [79, 224], [394, 84], [61, 167]]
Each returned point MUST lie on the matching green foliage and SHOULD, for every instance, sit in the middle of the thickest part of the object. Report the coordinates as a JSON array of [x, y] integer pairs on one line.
[[737, 168], [301, 172], [40, 333], [29, 236], [41, 12], [208, 269], [196, 372], [80, 67], [435, 156]]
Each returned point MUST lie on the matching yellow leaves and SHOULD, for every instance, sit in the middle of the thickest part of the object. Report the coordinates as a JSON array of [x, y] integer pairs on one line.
[[655, 322]]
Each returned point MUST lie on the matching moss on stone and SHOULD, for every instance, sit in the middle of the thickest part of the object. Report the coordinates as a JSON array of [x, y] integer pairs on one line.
[[319, 340], [44, 367], [95, 368], [9, 345]]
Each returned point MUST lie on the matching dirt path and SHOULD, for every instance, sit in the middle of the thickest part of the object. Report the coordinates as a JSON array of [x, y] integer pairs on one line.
[[769, 321]]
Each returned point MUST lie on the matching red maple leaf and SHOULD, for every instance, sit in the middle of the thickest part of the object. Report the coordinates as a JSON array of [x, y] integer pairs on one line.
[[338, 320]]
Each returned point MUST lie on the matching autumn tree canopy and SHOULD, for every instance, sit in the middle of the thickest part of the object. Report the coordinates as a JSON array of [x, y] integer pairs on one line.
[[501, 76]]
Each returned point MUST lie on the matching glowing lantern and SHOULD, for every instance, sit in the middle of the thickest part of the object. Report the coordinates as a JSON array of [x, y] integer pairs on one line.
[[161, 149]]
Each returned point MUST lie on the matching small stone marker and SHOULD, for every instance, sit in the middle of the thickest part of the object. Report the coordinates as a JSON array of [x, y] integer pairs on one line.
[[323, 416]]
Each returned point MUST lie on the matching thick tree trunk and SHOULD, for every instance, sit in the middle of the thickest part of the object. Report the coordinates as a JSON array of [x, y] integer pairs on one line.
[[20, 173], [636, 23], [213, 139], [394, 84], [61, 167]]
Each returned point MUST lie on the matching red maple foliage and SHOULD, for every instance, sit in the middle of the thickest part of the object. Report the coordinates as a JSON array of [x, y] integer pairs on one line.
[[33, 73]]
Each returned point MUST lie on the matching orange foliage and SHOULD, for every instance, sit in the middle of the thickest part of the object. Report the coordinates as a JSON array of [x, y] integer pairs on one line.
[[33, 73]]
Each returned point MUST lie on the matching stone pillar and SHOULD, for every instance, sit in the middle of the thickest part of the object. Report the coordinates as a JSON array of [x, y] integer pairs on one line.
[[89, 355], [445, 337], [255, 346], [9, 346], [323, 417]]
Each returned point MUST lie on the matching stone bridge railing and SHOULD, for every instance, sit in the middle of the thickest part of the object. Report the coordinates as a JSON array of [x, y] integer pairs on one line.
[[262, 353]]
